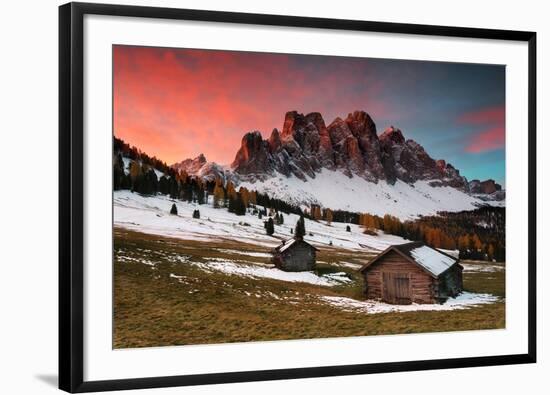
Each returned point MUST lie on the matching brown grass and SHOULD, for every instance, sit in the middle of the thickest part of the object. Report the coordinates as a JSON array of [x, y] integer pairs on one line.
[[153, 308]]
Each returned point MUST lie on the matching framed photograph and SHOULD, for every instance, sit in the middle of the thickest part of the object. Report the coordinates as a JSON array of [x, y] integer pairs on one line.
[[251, 197]]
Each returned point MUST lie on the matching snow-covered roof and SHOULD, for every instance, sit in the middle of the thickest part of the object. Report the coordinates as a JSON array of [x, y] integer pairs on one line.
[[290, 242], [433, 261], [286, 244]]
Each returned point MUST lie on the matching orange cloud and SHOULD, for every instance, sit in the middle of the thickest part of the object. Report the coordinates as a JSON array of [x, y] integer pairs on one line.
[[177, 103]]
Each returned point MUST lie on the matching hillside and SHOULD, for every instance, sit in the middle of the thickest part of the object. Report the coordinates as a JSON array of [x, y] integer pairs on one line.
[[151, 215]]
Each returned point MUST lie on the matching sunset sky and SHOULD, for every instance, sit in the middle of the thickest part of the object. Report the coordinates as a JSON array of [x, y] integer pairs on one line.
[[177, 103]]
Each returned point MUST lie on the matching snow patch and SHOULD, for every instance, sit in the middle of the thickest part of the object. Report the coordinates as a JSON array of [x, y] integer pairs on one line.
[[481, 268], [255, 271], [463, 301], [247, 253]]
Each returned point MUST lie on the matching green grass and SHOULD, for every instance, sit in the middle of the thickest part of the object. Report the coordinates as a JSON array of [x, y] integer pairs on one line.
[[154, 308]]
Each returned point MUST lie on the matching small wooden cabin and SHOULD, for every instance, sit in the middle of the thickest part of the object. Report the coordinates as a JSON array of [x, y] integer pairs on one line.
[[412, 273], [294, 255]]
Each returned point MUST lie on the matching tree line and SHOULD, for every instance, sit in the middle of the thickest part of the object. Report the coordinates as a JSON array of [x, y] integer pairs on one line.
[[477, 234]]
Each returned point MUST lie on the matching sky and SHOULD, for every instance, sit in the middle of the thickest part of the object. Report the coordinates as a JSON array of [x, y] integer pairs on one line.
[[177, 103]]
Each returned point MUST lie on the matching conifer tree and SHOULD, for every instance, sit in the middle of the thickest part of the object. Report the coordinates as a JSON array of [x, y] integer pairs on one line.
[[252, 197], [174, 209], [300, 230], [244, 194], [231, 193], [269, 228], [219, 196], [328, 216]]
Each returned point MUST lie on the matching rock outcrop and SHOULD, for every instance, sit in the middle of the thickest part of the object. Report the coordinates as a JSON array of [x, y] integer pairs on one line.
[[306, 145]]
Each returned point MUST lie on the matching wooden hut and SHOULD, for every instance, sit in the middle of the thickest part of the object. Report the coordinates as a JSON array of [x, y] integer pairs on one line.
[[294, 255], [412, 273]]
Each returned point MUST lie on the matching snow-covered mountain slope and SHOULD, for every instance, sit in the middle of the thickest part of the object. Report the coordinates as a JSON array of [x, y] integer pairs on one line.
[[337, 191], [152, 215]]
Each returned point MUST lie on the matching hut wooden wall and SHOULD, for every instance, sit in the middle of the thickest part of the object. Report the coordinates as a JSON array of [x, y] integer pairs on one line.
[[450, 283], [421, 283], [298, 257]]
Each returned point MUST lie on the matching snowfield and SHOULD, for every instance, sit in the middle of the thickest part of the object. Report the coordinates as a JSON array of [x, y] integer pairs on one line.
[[463, 301], [152, 215], [337, 191]]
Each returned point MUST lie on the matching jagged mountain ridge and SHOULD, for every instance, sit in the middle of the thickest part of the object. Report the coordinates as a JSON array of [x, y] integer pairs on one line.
[[352, 146]]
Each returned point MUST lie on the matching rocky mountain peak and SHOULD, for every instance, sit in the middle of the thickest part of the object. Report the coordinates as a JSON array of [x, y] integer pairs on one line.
[[306, 146], [200, 158], [275, 140], [392, 136], [189, 165], [253, 156], [484, 187], [361, 124]]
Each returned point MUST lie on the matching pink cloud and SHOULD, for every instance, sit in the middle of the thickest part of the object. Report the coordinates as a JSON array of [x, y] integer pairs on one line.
[[487, 140], [484, 116], [492, 136]]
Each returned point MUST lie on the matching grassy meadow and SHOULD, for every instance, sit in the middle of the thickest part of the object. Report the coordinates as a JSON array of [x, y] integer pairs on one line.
[[160, 299]]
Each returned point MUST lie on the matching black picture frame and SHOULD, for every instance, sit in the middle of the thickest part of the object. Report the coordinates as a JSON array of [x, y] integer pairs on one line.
[[71, 171]]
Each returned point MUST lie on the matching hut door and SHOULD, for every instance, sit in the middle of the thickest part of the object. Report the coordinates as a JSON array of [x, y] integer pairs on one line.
[[396, 288]]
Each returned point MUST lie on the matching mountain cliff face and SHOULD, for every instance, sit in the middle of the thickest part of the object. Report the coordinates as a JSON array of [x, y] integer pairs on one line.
[[351, 145], [306, 157]]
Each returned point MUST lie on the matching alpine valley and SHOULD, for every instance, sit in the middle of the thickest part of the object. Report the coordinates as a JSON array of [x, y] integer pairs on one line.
[[348, 166], [194, 242]]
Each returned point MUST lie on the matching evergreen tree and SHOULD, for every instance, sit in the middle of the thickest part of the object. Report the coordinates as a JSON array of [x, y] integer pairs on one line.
[[236, 205], [164, 185], [201, 194], [240, 208], [269, 228], [300, 230], [174, 188], [174, 209]]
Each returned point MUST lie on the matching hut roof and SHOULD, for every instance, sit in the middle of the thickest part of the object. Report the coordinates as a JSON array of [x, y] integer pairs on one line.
[[286, 244], [431, 260]]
